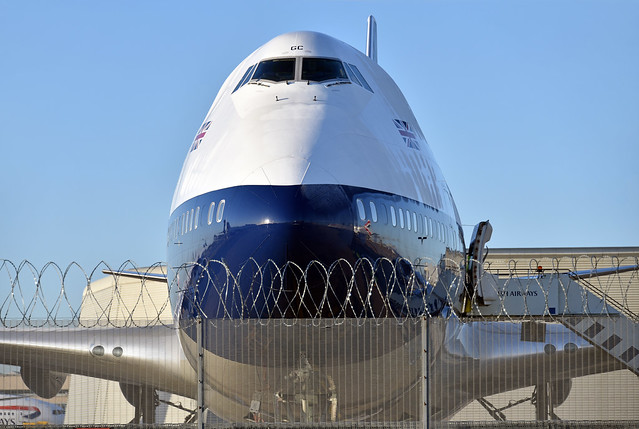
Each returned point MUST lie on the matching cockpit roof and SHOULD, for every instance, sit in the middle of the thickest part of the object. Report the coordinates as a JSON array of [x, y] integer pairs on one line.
[[306, 43]]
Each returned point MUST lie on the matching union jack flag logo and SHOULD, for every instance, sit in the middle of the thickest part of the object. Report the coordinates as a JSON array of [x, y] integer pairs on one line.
[[200, 135], [408, 133]]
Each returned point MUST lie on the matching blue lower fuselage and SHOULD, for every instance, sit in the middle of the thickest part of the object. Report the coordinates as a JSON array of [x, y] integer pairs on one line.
[[228, 250]]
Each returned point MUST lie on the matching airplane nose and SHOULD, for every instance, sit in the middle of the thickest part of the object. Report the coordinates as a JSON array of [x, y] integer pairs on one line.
[[268, 227], [287, 223], [288, 170]]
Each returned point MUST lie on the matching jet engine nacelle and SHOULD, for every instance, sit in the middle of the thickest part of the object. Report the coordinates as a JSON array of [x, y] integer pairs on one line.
[[42, 382], [559, 391], [143, 398]]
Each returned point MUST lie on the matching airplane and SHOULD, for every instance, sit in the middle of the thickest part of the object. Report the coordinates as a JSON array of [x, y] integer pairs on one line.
[[309, 154], [25, 410]]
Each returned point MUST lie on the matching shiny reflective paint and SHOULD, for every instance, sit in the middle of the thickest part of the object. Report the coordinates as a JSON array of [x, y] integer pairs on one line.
[[301, 224]]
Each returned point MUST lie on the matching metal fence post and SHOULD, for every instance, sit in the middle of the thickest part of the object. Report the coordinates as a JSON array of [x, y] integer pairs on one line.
[[200, 374], [425, 373]]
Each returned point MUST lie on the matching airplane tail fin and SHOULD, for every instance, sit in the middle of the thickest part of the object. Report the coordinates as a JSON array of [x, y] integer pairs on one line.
[[371, 39]]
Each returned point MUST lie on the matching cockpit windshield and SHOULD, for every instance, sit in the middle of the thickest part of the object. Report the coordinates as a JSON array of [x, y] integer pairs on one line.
[[303, 69], [322, 69], [276, 70]]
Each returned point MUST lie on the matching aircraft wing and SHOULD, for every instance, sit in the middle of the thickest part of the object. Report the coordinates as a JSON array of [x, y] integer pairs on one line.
[[146, 356], [599, 272], [135, 274], [479, 359]]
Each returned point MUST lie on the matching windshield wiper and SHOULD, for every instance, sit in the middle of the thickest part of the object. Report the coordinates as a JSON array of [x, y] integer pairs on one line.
[[340, 82], [257, 82]]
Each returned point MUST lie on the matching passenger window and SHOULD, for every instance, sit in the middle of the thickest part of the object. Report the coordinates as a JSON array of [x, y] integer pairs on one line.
[[220, 211], [360, 209], [373, 211], [276, 70], [322, 69], [197, 217], [415, 221], [191, 219], [211, 213], [408, 220], [401, 218], [384, 213], [393, 218]]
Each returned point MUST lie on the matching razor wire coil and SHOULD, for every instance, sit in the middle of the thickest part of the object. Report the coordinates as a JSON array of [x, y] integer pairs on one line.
[[133, 296]]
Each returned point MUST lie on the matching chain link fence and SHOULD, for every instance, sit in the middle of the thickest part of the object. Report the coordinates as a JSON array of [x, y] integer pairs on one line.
[[393, 346]]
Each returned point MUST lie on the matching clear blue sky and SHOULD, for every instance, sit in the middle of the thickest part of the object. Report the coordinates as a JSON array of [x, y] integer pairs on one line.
[[531, 107]]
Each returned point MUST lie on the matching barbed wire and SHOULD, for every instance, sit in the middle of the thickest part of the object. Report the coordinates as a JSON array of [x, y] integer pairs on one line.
[[363, 289], [613, 279]]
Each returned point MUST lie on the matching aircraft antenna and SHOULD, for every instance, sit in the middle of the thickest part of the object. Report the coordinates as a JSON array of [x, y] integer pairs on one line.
[[371, 39]]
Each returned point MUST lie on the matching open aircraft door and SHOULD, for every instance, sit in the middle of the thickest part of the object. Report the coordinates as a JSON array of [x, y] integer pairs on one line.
[[478, 286]]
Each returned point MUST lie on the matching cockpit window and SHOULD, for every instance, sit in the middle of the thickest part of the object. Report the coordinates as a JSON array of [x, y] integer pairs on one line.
[[321, 69], [358, 78], [276, 70], [352, 74], [245, 78]]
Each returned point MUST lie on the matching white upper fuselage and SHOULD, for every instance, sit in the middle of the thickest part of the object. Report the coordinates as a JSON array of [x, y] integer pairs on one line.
[[296, 132]]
